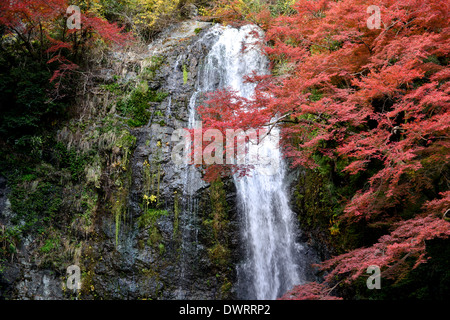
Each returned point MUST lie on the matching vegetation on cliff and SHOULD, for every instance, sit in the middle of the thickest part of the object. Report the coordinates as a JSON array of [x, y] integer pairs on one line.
[[364, 111]]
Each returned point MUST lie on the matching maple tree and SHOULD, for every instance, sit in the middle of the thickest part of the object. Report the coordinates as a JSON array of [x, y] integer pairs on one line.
[[40, 30], [374, 99], [310, 291]]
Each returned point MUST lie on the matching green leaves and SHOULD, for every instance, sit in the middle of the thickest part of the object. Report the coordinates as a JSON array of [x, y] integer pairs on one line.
[[136, 106], [26, 107], [185, 74], [35, 204]]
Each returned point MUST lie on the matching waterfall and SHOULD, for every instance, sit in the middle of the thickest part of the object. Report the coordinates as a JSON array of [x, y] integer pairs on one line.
[[269, 230]]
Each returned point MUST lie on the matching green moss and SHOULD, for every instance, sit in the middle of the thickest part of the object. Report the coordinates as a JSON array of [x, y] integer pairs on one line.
[[219, 255], [136, 105], [162, 249], [185, 74], [149, 218], [28, 177], [9, 238], [153, 66], [114, 88], [176, 210], [152, 174], [148, 221], [118, 208], [218, 237], [226, 288], [321, 195], [217, 219], [36, 204]]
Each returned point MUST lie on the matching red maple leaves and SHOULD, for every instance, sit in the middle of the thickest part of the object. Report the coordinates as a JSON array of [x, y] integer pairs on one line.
[[310, 291], [40, 27], [366, 96]]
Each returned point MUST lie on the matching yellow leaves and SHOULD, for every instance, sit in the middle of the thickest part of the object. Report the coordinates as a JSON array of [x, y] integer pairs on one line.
[[334, 229], [202, 11], [152, 10]]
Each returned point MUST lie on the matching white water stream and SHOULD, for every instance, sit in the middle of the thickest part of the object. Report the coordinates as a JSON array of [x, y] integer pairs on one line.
[[270, 267]]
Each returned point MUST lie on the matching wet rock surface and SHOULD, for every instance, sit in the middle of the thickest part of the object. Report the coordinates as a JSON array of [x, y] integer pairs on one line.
[[167, 258]]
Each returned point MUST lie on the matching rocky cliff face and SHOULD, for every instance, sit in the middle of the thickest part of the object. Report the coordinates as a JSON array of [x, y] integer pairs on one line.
[[129, 223]]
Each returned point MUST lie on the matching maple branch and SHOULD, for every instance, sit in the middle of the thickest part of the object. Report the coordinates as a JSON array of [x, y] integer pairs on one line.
[[334, 287], [396, 264], [445, 214], [295, 121]]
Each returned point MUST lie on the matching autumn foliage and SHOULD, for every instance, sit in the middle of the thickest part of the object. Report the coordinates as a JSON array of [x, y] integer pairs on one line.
[[40, 29], [374, 99]]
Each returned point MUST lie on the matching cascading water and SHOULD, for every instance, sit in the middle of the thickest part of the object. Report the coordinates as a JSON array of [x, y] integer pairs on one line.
[[270, 266], [192, 182]]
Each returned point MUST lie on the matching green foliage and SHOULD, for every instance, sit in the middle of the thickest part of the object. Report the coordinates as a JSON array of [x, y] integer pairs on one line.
[[185, 74], [144, 17], [148, 220], [71, 159], [219, 255], [217, 219], [24, 101], [282, 7], [49, 245], [226, 287], [149, 71], [316, 95], [36, 204], [9, 237], [161, 248], [137, 104], [114, 88]]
